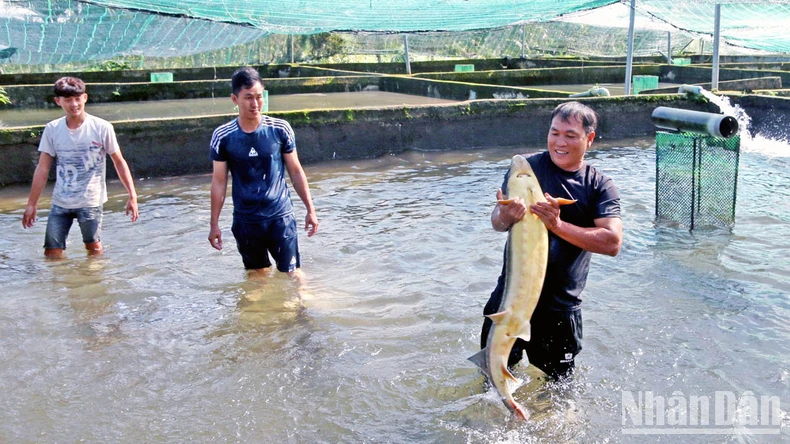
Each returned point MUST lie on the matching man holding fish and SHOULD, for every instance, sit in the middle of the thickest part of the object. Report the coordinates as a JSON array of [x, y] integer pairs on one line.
[[548, 324]]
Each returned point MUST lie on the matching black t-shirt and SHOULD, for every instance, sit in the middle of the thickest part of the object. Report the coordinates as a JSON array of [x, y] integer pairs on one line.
[[596, 196]]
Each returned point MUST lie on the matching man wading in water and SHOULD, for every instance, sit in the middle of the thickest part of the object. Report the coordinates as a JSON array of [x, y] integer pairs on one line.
[[257, 150], [591, 225], [79, 144]]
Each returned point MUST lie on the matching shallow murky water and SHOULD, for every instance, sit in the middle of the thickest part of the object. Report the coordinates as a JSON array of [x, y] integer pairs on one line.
[[164, 339]]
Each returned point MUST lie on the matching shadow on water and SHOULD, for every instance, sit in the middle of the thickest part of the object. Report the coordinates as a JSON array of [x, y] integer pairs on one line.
[[270, 307]]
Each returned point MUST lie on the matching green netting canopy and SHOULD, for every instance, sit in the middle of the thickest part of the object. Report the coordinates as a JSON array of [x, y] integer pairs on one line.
[[749, 23], [56, 32], [68, 31]]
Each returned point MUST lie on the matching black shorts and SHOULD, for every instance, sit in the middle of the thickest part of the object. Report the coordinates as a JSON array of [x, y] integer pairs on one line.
[[257, 240], [555, 342]]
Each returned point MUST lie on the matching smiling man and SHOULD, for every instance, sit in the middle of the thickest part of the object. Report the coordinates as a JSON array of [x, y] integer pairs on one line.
[[257, 150], [590, 225], [78, 143]]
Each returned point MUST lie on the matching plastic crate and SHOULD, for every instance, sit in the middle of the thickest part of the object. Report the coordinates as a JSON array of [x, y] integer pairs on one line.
[[161, 77], [642, 83]]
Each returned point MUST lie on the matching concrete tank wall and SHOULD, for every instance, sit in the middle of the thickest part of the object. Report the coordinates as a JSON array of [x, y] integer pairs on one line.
[[180, 146], [42, 96]]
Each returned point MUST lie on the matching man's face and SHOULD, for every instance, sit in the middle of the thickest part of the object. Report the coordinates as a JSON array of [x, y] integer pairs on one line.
[[73, 106], [249, 101], [568, 142]]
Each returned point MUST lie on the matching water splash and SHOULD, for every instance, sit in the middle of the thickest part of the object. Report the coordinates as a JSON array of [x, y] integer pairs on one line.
[[749, 143], [723, 102]]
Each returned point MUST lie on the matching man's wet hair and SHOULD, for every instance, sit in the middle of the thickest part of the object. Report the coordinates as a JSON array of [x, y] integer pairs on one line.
[[245, 77], [579, 112], [69, 87]]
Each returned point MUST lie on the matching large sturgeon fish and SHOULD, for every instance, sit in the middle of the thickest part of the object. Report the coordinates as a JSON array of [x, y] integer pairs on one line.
[[527, 256]]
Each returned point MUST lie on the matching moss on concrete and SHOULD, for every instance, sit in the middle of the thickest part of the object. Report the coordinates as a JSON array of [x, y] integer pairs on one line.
[[180, 146]]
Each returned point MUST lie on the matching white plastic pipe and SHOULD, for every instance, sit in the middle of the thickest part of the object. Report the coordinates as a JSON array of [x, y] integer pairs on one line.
[[592, 92], [669, 47], [406, 53], [690, 89], [629, 61], [714, 82]]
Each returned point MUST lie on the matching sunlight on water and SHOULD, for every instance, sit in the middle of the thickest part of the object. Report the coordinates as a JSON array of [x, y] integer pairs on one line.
[[164, 339]]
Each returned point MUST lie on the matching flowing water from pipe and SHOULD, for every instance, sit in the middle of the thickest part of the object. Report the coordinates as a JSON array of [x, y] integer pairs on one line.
[[749, 142]]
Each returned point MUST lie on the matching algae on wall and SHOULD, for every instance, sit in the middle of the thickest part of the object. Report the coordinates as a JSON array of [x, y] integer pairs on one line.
[[179, 146]]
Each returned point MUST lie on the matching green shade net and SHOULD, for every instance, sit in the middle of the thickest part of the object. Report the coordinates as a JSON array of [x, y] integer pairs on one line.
[[313, 16], [60, 32], [52, 32], [759, 25]]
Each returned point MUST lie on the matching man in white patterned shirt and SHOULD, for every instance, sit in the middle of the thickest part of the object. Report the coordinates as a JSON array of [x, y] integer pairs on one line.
[[79, 144]]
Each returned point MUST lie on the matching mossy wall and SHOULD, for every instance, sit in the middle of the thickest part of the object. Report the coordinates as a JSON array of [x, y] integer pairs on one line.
[[763, 83], [169, 147], [283, 70], [778, 63], [41, 96], [144, 75], [545, 76], [698, 74]]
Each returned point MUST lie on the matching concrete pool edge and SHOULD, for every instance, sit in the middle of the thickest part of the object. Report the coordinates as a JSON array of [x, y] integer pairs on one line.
[[365, 133]]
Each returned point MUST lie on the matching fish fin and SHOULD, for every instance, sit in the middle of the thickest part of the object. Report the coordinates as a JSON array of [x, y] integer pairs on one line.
[[525, 332], [498, 317], [564, 201], [518, 410], [481, 360], [509, 376]]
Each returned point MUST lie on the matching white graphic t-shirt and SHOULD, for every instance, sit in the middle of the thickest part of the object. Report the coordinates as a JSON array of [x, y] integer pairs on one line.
[[80, 160]]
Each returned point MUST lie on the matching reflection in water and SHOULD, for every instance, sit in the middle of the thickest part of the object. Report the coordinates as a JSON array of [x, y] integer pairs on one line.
[[97, 315], [164, 339]]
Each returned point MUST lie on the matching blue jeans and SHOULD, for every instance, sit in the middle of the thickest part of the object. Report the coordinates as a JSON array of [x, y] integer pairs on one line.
[[60, 220]]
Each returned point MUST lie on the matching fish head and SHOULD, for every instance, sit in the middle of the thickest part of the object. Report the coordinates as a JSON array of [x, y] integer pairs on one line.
[[522, 181]]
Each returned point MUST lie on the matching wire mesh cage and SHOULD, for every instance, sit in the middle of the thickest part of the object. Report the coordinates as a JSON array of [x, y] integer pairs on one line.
[[696, 179]]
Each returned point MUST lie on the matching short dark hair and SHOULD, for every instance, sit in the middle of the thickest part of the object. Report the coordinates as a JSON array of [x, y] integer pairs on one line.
[[69, 87], [575, 110], [245, 77]]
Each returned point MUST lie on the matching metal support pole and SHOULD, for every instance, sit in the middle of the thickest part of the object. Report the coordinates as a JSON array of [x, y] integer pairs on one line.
[[291, 47], [669, 47], [714, 82], [629, 60], [524, 41], [406, 53]]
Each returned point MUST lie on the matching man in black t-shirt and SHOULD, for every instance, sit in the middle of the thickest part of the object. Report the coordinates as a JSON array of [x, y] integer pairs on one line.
[[590, 225]]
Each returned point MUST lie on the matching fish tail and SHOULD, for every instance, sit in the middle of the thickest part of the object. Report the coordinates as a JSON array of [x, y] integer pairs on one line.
[[518, 410]]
